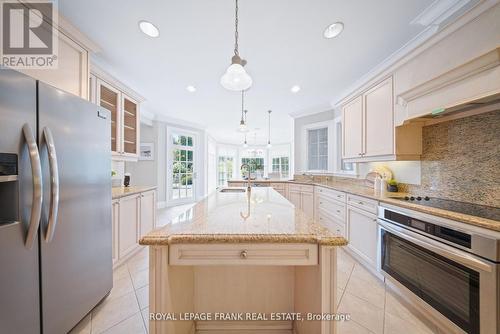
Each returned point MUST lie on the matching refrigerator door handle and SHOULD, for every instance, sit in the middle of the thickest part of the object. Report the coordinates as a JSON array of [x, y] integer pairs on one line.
[[36, 170], [54, 184]]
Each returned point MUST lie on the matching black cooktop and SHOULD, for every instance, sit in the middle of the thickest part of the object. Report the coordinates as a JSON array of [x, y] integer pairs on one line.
[[483, 211]]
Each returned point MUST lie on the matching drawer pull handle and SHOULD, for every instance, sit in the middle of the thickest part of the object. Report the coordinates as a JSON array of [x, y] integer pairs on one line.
[[361, 203], [338, 211], [320, 202], [339, 196], [244, 254]]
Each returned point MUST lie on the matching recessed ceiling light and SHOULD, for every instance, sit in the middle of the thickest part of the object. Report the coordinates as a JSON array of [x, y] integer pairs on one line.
[[333, 30], [149, 28], [295, 89], [191, 89]]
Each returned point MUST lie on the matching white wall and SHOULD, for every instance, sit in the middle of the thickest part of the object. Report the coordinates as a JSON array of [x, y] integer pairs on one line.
[[300, 123], [144, 172]]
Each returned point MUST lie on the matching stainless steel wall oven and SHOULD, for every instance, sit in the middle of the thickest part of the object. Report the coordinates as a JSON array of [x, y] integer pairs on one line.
[[451, 266]]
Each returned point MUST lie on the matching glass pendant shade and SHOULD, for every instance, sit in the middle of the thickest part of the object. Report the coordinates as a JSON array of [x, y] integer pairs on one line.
[[236, 78], [243, 127], [269, 145]]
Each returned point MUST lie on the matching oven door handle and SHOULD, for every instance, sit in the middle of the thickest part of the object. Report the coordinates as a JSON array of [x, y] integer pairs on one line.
[[449, 252]]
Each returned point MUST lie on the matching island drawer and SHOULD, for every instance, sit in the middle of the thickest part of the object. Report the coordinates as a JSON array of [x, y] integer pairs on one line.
[[363, 203], [334, 194], [243, 254]]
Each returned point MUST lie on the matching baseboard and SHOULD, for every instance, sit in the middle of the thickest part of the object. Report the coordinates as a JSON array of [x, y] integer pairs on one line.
[[364, 263], [128, 256], [244, 327]]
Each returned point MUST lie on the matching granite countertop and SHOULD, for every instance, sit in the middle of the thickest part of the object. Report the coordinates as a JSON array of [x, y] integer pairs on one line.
[[390, 198], [263, 217], [117, 192]]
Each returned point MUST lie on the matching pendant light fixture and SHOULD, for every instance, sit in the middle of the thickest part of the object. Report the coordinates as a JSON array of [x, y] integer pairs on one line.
[[269, 129], [243, 122], [245, 144], [236, 78]]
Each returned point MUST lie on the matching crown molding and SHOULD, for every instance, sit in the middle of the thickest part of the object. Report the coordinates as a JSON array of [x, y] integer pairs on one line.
[[427, 38], [311, 111], [438, 12], [102, 74]]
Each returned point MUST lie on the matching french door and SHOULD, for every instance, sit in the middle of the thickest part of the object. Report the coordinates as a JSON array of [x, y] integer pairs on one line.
[[180, 167]]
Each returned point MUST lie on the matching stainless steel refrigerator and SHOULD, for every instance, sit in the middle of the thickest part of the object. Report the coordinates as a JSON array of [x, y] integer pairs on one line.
[[55, 206]]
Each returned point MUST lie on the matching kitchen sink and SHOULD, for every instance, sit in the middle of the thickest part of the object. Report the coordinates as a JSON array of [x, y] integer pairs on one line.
[[233, 190]]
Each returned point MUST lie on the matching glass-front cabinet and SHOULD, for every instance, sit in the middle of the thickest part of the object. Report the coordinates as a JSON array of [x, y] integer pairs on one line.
[[130, 126], [125, 120]]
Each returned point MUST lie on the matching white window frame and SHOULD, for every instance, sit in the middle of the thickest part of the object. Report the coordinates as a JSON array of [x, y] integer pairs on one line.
[[169, 169], [338, 171], [305, 152], [280, 166]]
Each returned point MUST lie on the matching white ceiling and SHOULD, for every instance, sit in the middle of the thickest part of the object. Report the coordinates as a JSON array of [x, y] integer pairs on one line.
[[281, 39]]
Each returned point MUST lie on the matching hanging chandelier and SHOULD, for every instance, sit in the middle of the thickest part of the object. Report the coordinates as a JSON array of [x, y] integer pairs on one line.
[[236, 78], [243, 122]]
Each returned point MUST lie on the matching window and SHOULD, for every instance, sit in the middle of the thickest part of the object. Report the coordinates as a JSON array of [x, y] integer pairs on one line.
[[224, 170], [281, 166], [256, 164], [317, 149], [182, 167]]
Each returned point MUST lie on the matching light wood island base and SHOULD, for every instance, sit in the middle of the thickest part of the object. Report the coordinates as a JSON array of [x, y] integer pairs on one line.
[[220, 280]]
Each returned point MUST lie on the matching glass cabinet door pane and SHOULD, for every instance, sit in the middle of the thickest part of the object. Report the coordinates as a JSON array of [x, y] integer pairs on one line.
[[129, 126], [109, 101]]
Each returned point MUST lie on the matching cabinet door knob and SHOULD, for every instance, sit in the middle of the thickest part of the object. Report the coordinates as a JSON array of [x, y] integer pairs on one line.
[[338, 211], [244, 254]]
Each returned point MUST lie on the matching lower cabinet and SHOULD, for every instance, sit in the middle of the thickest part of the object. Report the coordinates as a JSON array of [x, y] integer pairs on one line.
[[302, 196], [128, 226], [133, 217], [362, 234], [115, 220], [148, 210]]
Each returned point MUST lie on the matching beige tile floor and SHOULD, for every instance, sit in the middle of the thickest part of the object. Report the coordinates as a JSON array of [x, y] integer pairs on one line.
[[372, 307]]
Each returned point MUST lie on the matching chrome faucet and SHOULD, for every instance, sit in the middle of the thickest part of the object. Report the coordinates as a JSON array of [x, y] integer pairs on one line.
[[249, 188]]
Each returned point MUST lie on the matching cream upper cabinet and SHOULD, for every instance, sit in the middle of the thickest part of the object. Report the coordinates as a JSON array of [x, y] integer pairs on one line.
[[352, 120], [125, 118], [109, 98], [130, 128], [72, 73], [369, 133], [378, 120]]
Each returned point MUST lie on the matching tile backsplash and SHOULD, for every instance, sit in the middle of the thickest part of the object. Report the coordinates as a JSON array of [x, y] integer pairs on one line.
[[461, 160]]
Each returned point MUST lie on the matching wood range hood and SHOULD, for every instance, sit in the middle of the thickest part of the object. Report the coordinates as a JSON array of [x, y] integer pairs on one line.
[[466, 90]]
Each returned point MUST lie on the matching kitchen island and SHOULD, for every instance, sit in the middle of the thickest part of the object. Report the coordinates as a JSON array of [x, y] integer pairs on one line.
[[239, 261]]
